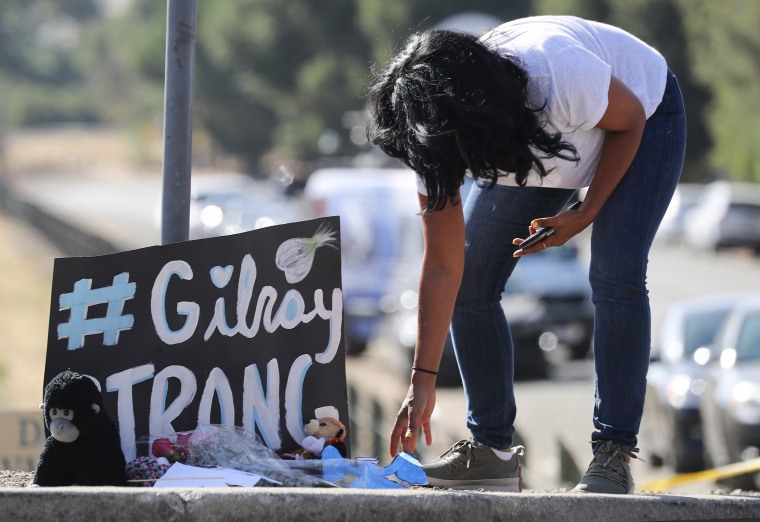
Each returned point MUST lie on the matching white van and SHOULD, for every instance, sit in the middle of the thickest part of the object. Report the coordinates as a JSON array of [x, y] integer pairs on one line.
[[379, 223]]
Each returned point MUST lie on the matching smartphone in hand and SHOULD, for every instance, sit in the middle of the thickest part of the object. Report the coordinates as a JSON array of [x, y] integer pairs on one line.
[[544, 232]]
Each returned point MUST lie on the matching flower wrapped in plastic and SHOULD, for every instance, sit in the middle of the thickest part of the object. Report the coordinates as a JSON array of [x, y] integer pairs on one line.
[[172, 450], [234, 448]]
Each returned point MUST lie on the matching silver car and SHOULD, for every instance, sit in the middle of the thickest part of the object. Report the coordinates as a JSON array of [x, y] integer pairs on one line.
[[727, 215], [731, 405], [671, 430]]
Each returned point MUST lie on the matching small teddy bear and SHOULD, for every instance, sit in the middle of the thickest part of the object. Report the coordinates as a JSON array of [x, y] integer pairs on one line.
[[325, 430]]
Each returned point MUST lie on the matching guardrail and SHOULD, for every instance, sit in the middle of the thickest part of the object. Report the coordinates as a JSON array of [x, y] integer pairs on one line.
[[69, 239]]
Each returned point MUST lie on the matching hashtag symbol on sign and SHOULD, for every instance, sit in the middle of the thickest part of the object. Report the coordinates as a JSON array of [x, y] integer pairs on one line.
[[83, 297]]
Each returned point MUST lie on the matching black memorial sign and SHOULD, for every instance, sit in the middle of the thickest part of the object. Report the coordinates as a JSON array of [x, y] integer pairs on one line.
[[244, 330]]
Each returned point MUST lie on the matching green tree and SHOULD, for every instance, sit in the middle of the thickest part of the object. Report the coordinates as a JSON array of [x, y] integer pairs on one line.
[[283, 76], [661, 24], [387, 23], [39, 75], [599, 10], [724, 46], [287, 78]]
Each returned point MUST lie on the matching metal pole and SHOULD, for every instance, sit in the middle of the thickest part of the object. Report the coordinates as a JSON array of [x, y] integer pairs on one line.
[[178, 120]]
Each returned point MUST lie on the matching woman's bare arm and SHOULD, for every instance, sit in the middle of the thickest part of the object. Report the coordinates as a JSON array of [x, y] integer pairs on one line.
[[442, 266]]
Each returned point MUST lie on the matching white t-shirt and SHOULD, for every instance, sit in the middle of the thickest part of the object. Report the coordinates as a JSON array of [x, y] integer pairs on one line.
[[570, 62]]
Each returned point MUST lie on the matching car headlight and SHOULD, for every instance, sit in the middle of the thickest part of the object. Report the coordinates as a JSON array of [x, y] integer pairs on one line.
[[745, 401], [212, 216], [727, 358], [682, 390], [702, 355], [677, 390]]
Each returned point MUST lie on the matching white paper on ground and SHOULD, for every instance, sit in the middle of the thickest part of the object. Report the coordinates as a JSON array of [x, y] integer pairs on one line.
[[183, 476]]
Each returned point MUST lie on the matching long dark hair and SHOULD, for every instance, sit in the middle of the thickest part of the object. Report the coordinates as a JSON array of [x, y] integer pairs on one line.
[[447, 103]]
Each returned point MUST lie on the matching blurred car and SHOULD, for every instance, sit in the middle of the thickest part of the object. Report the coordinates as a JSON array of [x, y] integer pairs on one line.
[[726, 215], [232, 203], [731, 405], [547, 302], [262, 210], [684, 199], [671, 429], [210, 198], [229, 202], [374, 206]]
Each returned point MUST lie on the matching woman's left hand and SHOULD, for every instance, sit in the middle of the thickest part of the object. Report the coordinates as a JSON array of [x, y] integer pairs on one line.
[[566, 224], [623, 123]]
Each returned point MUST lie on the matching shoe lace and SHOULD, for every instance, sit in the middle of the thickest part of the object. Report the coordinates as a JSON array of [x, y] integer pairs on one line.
[[618, 450], [465, 447], [610, 459]]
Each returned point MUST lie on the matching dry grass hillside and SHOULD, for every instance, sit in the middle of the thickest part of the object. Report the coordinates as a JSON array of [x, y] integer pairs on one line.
[[26, 268], [26, 258]]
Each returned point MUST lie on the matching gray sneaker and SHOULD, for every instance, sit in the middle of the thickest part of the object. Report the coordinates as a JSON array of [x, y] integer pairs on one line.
[[608, 471], [468, 465]]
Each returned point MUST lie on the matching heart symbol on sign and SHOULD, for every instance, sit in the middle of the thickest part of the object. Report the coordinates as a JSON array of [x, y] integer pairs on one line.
[[220, 275]]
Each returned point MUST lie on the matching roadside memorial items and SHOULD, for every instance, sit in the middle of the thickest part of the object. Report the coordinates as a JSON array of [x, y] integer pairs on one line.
[[222, 330], [213, 454]]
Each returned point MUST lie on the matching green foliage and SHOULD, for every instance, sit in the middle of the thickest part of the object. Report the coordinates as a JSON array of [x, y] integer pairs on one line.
[[659, 23], [725, 50], [282, 75], [599, 10], [39, 76], [291, 76]]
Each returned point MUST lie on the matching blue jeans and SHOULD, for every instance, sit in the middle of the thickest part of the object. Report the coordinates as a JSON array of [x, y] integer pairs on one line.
[[621, 238]]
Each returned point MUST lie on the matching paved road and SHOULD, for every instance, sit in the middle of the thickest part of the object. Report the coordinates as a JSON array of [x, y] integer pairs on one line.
[[122, 208], [549, 412]]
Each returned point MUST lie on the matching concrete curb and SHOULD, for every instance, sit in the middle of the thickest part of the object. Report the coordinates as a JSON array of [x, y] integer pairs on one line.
[[286, 504]]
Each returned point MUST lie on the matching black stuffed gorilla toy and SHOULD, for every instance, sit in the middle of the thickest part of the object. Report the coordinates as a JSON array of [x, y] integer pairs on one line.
[[83, 448]]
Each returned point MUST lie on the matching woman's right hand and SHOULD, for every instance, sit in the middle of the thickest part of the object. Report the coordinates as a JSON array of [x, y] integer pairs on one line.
[[414, 414]]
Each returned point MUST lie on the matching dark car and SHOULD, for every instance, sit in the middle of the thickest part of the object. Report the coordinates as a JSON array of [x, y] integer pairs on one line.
[[671, 429], [731, 405], [547, 302]]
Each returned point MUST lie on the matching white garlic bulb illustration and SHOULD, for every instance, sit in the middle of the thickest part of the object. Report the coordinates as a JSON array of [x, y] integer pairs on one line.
[[295, 256]]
